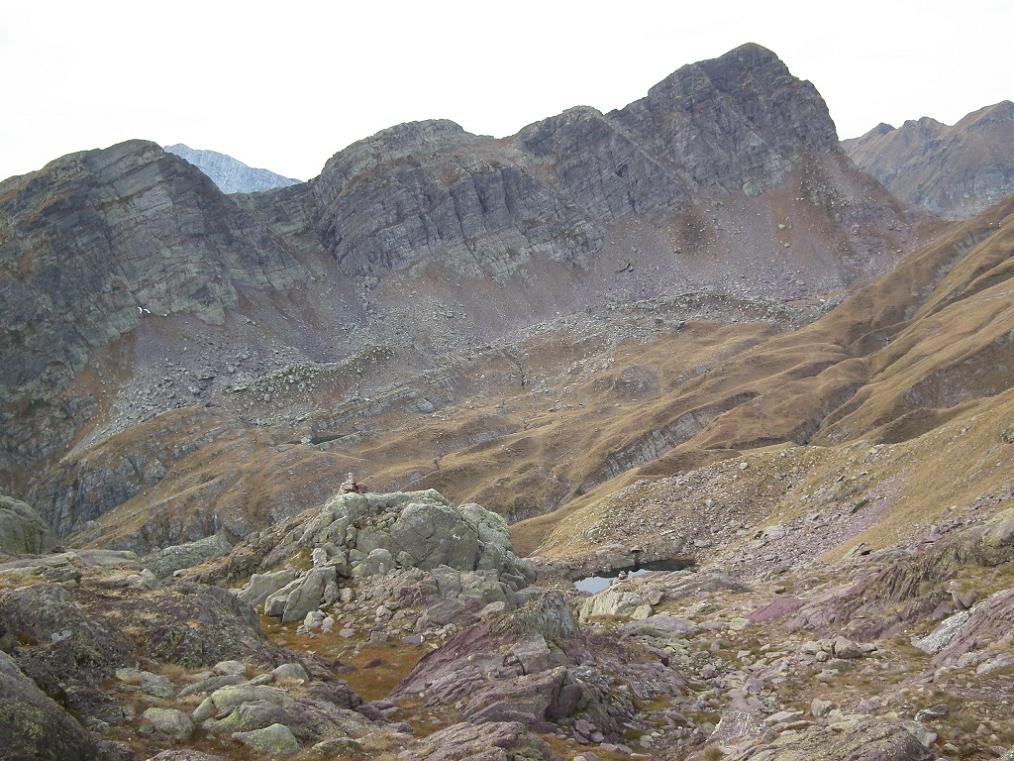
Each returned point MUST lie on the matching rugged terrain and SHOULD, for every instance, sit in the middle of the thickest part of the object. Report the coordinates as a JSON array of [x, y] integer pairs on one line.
[[686, 354], [139, 300], [954, 171], [229, 174]]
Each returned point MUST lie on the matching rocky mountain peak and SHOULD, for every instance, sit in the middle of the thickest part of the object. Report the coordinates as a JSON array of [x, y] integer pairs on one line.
[[925, 125], [409, 140], [229, 174], [737, 121]]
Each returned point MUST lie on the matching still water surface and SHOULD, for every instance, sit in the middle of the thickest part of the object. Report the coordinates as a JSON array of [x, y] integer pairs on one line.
[[594, 584]]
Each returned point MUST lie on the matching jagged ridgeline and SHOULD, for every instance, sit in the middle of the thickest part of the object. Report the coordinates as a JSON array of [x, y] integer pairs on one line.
[[955, 171]]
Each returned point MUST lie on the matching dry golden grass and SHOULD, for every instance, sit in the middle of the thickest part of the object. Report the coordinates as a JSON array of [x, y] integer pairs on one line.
[[923, 347]]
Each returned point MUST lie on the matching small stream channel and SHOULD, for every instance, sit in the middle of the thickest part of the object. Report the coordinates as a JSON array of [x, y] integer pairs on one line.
[[595, 584]]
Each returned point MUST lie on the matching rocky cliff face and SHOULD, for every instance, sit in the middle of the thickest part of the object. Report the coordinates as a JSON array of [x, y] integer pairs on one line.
[[953, 171], [229, 174]]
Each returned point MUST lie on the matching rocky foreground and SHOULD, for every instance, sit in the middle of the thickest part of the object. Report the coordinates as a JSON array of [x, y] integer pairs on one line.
[[399, 626]]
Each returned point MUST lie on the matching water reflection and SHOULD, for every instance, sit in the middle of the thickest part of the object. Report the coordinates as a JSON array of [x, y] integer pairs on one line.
[[595, 584]]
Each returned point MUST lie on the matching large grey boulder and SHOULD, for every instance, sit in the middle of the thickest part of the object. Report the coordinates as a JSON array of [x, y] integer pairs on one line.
[[169, 722], [263, 585], [274, 740], [434, 534], [308, 595], [33, 726], [165, 561], [22, 530]]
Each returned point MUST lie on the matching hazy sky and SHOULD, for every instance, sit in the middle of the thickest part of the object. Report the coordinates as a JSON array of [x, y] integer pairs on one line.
[[284, 85]]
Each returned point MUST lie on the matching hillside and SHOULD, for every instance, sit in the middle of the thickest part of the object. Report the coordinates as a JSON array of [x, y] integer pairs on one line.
[[954, 171]]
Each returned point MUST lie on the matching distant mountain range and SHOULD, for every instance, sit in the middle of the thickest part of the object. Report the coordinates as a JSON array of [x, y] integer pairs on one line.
[[952, 171], [231, 175]]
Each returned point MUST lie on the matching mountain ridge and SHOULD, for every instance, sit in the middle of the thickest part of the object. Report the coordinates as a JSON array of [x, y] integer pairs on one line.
[[411, 247], [955, 171]]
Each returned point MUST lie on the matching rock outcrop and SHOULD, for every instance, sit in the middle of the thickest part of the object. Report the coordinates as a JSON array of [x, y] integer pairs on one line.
[[450, 558], [22, 529], [33, 727], [179, 556]]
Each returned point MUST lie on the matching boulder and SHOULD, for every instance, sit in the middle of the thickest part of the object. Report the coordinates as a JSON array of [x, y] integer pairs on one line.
[[493, 741], [155, 685], [22, 530], [34, 726], [226, 698], [169, 722], [274, 604], [308, 595], [274, 740], [614, 601], [378, 562], [662, 624], [263, 585], [230, 668], [291, 672], [861, 740], [535, 699], [211, 683], [939, 638], [254, 714], [165, 561], [434, 534], [842, 647]]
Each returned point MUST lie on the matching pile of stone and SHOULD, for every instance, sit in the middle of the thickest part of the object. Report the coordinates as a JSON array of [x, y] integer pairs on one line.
[[457, 558]]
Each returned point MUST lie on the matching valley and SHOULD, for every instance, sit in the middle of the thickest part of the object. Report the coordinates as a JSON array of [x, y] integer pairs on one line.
[[311, 472]]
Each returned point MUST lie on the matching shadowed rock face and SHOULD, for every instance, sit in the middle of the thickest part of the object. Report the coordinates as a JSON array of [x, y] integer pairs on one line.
[[93, 239], [953, 171], [34, 726]]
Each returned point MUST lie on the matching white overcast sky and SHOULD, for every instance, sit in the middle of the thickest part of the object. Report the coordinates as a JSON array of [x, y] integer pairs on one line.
[[286, 84]]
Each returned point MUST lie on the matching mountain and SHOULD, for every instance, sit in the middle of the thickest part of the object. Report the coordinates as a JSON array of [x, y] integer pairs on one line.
[[952, 171], [134, 286], [666, 432], [229, 174]]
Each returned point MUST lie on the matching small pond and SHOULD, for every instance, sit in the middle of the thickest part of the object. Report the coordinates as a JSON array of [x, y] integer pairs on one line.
[[595, 584]]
